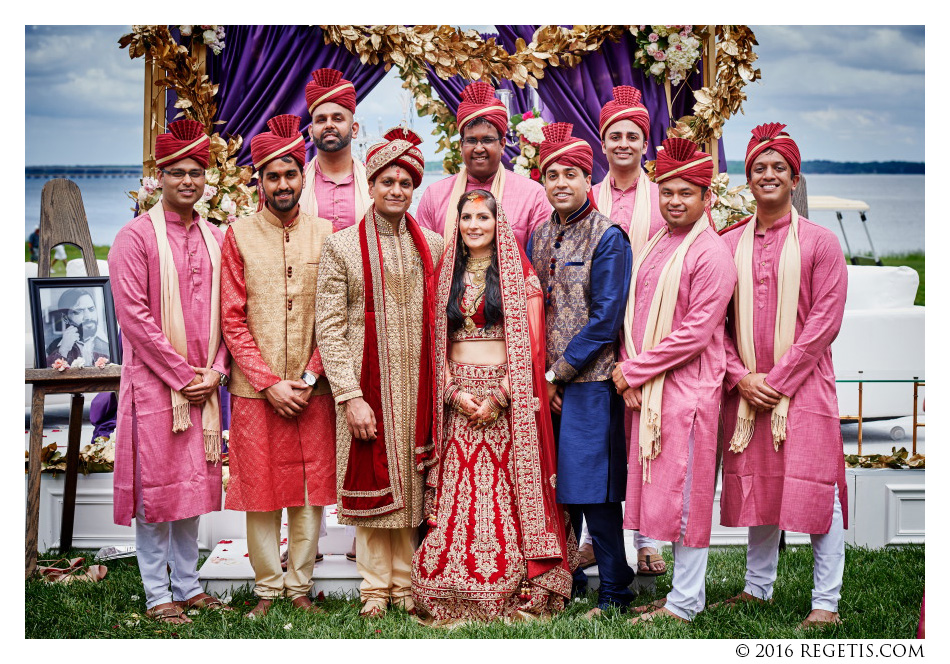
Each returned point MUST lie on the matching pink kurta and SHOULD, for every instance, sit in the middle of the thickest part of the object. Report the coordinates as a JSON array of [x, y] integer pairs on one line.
[[335, 200], [524, 201], [176, 481], [621, 210], [694, 360], [794, 487]]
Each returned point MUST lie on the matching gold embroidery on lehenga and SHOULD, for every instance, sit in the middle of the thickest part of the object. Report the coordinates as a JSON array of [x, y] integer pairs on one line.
[[485, 547]]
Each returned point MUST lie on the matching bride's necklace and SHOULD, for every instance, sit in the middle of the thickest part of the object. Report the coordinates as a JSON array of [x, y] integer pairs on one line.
[[477, 268]]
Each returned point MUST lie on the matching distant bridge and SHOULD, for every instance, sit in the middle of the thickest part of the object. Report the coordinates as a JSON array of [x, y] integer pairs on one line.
[[71, 172]]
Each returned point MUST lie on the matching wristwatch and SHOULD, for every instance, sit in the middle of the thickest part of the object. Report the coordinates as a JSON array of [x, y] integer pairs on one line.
[[550, 377], [309, 378], [223, 380]]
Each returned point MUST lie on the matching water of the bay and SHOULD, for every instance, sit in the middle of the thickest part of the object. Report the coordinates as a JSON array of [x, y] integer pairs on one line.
[[896, 218]]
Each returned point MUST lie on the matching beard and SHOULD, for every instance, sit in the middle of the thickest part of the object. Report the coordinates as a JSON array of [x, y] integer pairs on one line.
[[339, 141], [283, 207]]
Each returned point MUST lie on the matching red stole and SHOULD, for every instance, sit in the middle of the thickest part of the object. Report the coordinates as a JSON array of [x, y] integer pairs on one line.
[[367, 468]]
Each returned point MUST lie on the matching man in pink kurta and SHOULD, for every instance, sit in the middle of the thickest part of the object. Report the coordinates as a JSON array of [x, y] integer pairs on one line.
[[483, 123], [671, 499], [162, 478], [624, 135], [799, 486], [335, 186], [283, 430]]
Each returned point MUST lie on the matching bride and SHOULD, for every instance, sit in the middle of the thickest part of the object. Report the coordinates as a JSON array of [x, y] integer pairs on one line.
[[497, 544]]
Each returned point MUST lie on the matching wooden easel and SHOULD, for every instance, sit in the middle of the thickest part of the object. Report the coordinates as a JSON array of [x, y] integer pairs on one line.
[[62, 220]]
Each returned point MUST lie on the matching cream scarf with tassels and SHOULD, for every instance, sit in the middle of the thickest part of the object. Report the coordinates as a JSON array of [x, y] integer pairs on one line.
[[361, 202], [659, 325], [173, 327], [458, 188], [639, 230], [789, 284]]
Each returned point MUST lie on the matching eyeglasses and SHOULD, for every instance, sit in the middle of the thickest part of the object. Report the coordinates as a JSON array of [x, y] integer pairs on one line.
[[179, 174], [488, 141]]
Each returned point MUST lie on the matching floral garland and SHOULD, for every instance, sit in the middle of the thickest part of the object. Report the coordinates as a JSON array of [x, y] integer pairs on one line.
[[667, 52], [227, 195], [211, 35], [449, 51], [730, 205], [527, 127]]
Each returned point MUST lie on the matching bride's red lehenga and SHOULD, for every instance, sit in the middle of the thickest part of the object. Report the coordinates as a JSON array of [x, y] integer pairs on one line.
[[499, 546]]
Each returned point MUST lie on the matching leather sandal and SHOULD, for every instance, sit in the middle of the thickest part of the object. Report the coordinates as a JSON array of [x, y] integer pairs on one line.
[[586, 557], [303, 602], [661, 613], [741, 598], [204, 601], [646, 561], [169, 613]]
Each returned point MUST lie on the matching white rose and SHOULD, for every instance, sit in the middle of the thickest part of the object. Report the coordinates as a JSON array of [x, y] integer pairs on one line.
[[657, 68], [208, 193], [185, 30], [674, 38], [201, 207], [521, 170], [521, 161], [209, 36], [652, 48], [529, 151], [228, 205]]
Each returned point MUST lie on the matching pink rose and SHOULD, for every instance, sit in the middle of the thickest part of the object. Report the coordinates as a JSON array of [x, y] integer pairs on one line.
[[60, 364], [653, 37], [660, 56], [527, 116], [231, 218], [101, 362]]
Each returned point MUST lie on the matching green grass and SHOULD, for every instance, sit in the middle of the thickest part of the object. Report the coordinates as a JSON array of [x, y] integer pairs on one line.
[[914, 260], [880, 600], [59, 270]]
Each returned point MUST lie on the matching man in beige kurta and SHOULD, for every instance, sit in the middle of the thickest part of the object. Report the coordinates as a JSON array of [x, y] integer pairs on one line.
[[380, 410]]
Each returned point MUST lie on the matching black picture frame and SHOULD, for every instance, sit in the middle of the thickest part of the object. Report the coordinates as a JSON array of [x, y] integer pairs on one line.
[[57, 303]]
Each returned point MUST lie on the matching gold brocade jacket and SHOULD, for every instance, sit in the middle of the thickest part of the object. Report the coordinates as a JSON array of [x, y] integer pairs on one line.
[[340, 322], [280, 270]]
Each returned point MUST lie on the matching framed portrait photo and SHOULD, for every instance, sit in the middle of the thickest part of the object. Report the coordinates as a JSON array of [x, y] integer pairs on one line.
[[73, 317]]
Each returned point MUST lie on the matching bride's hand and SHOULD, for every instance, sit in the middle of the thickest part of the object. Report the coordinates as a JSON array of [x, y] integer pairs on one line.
[[467, 404], [484, 416]]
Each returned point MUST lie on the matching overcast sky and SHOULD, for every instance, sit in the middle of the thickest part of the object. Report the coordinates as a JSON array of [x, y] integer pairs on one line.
[[846, 93]]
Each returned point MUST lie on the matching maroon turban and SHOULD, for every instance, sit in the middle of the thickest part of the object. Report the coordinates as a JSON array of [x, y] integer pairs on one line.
[[329, 85], [479, 101], [625, 106], [559, 146], [771, 137], [284, 139], [681, 158], [398, 150], [186, 139]]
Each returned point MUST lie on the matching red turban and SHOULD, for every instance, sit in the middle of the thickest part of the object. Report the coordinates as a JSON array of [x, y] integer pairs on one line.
[[771, 137], [681, 158], [186, 139], [398, 150], [625, 106], [559, 146], [284, 139], [479, 101], [329, 85]]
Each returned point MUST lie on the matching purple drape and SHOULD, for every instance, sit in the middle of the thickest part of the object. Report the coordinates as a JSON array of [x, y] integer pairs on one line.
[[263, 70], [577, 94]]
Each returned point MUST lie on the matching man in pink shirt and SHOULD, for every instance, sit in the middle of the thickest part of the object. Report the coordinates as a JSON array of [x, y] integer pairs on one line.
[[335, 186], [784, 467], [624, 134], [483, 123], [168, 447], [672, 377], [631, 200]]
